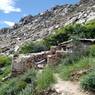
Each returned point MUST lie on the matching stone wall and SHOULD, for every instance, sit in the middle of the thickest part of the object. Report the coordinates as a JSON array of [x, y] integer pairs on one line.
[[21, 63]]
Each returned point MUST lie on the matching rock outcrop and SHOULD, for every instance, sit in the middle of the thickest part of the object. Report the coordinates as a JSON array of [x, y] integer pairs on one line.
[[31, 28]]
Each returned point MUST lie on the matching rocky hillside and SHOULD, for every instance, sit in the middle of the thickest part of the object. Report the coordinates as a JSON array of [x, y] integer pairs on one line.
[[31, 28]]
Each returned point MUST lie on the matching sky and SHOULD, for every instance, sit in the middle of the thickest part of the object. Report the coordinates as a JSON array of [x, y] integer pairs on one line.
[[11, 11]]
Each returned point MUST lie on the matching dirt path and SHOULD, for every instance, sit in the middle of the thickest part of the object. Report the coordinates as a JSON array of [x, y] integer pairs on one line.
[[68, 87]]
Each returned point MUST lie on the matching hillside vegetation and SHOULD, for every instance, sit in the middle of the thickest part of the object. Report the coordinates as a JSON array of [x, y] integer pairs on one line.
[[78, 66], [60, 35]]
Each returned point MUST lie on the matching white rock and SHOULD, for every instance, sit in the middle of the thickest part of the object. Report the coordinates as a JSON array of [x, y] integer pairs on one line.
[[16, 48], [91, 16], [81, 21]]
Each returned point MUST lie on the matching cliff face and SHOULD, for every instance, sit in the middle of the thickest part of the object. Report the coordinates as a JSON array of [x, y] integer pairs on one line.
[[40, 26]]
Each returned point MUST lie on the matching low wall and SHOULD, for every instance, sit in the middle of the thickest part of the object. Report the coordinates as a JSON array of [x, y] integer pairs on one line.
[[21, 63]]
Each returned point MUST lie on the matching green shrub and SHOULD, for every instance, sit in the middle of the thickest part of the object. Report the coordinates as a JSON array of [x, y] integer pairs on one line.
[[45, 79], [12, 87], [4, 60], [8, 88], [65, 33], [5, 71], [90, 29], [29, 76], [5, 66], [33, 47], [58, 37], [27, 90], [15, 85], [88, 82], [75, 30], [91, 50], [21, 84]]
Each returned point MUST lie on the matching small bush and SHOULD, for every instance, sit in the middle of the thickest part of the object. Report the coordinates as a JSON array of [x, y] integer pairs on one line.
[[55, 39], [29, 76], [91, 50], [33, 47], [13, 87], [4, 60], [27, 90], [16, 87], [5, 71], [21, 84], [88, 82], [90, 29], [45, 79]]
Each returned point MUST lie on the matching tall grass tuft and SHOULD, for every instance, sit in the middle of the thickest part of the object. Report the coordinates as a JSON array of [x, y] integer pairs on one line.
[[45, 79]]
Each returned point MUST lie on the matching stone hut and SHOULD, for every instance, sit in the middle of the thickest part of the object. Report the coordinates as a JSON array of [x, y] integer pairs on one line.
[[69, 45], [21, 63]]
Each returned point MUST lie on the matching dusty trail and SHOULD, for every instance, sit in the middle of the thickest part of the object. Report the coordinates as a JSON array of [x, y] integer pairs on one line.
[[68, 87]]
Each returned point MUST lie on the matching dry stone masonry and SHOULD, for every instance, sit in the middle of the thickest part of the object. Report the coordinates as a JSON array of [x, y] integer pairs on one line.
[[21, 63]]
